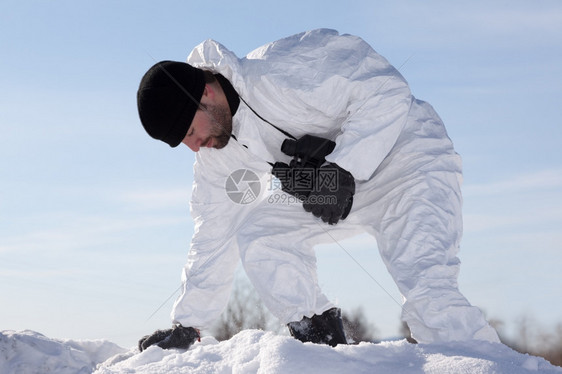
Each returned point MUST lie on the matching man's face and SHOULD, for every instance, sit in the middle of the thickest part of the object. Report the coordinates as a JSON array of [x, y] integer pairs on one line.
[[211, 127]]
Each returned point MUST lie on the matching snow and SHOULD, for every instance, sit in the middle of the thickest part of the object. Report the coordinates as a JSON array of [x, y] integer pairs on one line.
[[256, 351], [29, 352]]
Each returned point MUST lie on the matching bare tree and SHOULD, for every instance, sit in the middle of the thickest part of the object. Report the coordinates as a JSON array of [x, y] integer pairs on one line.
[[244, 311], [525, 337], [530, 338], [358, 328], [548, 344], [554, 353]]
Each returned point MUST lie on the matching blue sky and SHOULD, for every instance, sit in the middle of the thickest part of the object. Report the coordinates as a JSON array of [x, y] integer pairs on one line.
[[94, 217]]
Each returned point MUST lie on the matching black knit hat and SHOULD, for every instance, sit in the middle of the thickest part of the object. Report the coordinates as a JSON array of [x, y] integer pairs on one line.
[[167, 99]]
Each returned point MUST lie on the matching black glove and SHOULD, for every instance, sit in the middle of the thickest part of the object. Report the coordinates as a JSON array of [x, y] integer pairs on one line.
[[332, 198], [295, 181], [309, 153], [176, 337]]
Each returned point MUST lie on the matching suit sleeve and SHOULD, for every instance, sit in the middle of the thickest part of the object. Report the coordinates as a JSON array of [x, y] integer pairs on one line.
[[208, 275], [375, 104]]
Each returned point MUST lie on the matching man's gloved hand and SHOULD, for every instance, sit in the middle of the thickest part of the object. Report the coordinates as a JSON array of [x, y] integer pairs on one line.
[[176, 337], [332, 198]]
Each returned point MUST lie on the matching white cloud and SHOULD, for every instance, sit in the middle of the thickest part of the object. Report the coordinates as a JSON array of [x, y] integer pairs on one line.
[[539, 181], [73, 232], [519, 20], [480, 24], [523, 203]]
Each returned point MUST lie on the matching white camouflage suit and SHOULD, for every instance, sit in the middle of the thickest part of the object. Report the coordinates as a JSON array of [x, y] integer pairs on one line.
[[407, 177]]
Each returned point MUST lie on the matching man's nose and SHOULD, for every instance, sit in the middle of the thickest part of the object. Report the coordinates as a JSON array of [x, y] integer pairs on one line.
[[193, 144]]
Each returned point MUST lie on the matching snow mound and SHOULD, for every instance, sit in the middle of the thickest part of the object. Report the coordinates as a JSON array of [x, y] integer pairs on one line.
[[254, 351], [29, 352]]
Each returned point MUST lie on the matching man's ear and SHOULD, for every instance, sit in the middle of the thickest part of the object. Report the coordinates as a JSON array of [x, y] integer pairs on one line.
[[208, 92]]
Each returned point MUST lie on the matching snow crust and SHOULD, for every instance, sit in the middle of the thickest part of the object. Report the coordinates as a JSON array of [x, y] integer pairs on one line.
[[255, 351]]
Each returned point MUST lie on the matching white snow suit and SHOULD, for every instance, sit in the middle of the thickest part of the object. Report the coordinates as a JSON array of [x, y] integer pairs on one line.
[[407, 186]]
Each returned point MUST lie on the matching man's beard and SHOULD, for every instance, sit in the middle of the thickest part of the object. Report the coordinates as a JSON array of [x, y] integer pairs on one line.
[[221, 124]]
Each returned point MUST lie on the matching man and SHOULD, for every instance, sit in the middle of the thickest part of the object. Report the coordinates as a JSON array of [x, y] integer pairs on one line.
[[381, 162]]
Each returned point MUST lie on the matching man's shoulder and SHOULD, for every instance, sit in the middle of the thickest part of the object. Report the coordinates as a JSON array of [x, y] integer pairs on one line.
[[306, 40]]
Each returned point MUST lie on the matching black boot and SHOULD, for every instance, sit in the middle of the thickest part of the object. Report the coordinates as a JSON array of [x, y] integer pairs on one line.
[[320, 329]]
